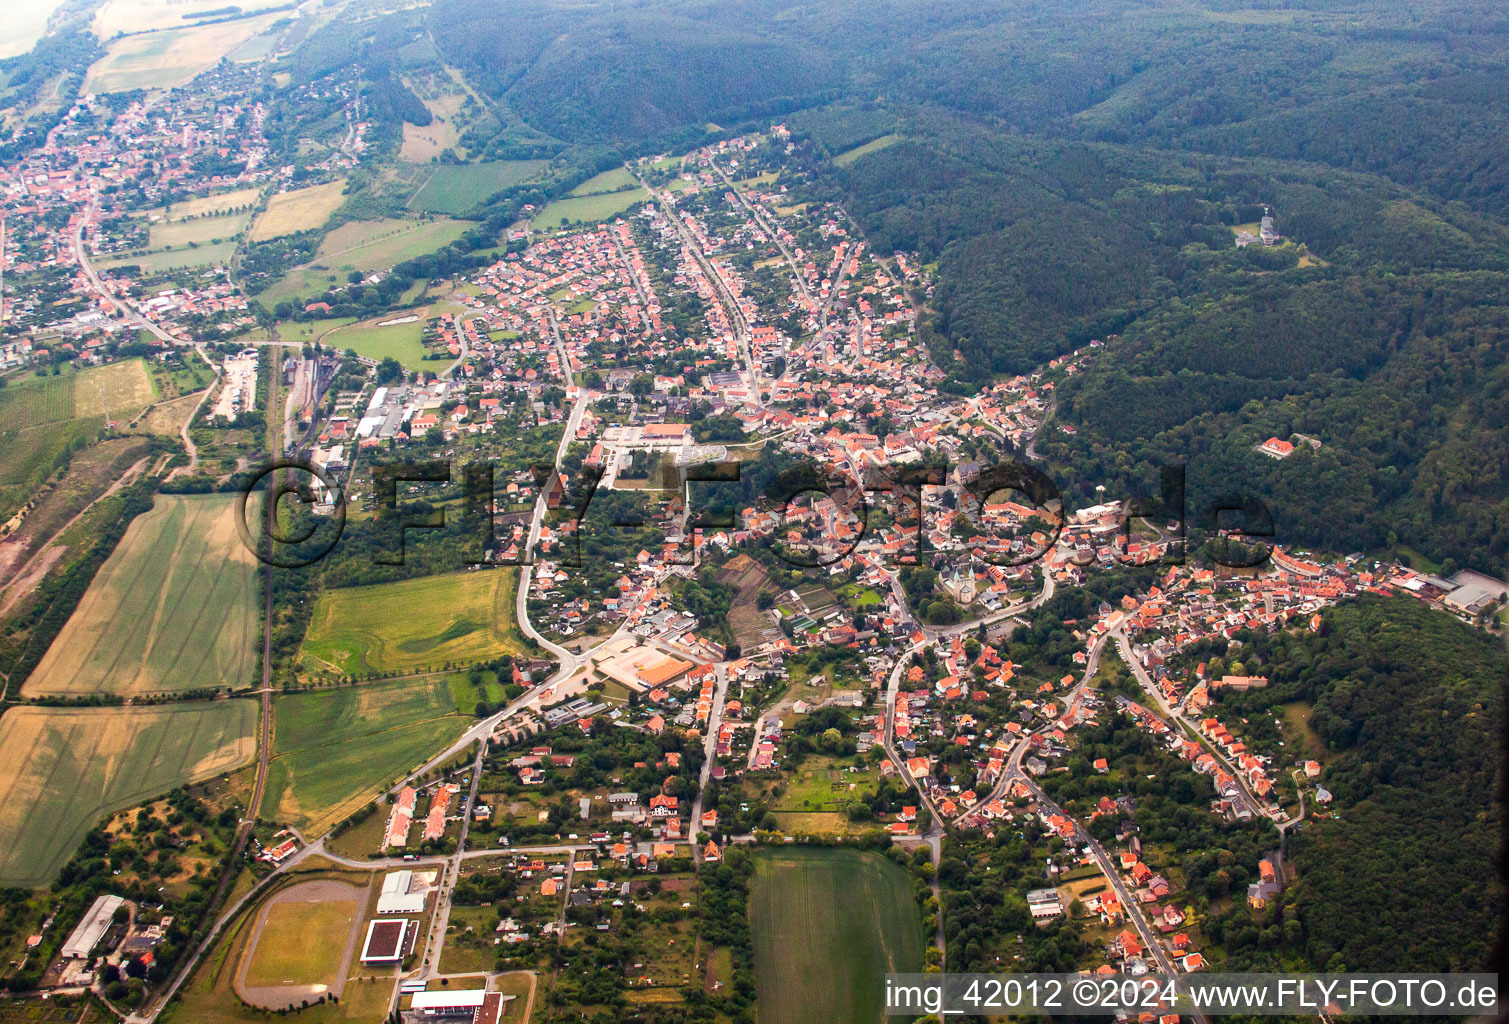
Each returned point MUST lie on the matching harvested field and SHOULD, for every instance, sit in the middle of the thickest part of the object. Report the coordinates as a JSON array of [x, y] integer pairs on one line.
[[173, 608], [66, 769], [300, 210]]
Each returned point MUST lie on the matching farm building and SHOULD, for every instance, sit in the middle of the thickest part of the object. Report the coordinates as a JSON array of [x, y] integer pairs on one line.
[[92, 928]]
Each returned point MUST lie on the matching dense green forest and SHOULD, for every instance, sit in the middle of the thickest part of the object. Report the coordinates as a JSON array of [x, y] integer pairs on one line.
[[1410, 705]]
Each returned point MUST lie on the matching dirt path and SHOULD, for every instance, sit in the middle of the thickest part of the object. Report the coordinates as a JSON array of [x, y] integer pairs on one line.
[[31, 572]]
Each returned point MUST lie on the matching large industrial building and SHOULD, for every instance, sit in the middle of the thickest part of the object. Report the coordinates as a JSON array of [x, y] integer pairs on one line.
[[92, 928]]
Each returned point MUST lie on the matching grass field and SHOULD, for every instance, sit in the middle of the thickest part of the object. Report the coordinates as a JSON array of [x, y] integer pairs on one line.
[[173, 608], [299, 210], [302, 941], [456, 188], [368, 245], [412, 625], [607, 181], [847, 157], [586, 209], [42, 418], [401, 341], [65, 769], [202, 206], [422, 144], [828, 926], [200, 230], [333, 750], [175, 259], [171, 57]]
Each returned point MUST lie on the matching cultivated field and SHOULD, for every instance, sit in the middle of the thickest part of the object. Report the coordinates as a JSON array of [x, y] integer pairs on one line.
[[146, 15], [335, 749], [587, 209], [162, 60], [42, 418], [299, 210], [371, 245], [411, 626], [173, 608], [456, 188], [828, 926], [65, 769]]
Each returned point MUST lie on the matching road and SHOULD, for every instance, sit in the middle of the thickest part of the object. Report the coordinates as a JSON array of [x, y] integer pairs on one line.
[[450, 873], [720, 287], [1176, 720], [710, 744]]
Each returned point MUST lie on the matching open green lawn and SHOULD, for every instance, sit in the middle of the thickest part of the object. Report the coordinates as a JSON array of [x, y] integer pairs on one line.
[[607, 181], [587, 209], [335, 749], [848, 157], [456, 188], [65, 769], [367, 246], [173, 608], [403, 342], [202, 230], [412, 625], [828, 925], [208, 255]]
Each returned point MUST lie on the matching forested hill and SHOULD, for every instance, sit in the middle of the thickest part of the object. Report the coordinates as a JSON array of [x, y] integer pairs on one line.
[[1415, 91], [1410, 704]]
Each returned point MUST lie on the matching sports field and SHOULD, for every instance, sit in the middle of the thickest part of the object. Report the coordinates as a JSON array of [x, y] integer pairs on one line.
[[300, 210], [65, 769], [412, 625], [587, 209], [456, 188], [173, 608], [335, 749], [828, 925], [302, 937]]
